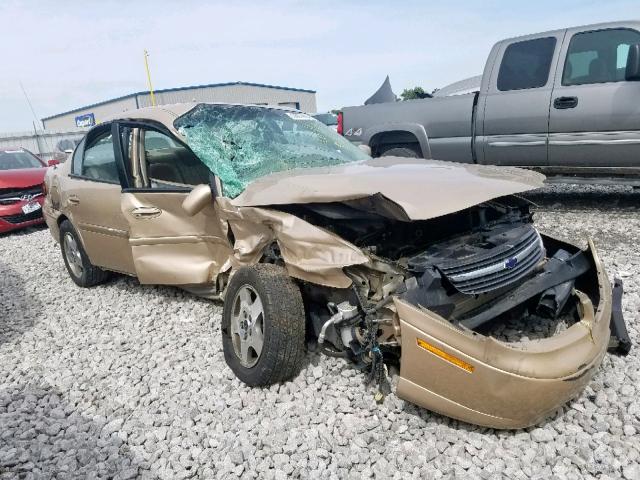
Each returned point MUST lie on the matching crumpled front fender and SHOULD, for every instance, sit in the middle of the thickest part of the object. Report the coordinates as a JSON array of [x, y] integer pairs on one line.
[[309, 252]]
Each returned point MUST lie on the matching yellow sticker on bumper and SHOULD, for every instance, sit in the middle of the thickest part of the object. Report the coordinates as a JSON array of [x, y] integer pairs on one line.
[[467, 367]]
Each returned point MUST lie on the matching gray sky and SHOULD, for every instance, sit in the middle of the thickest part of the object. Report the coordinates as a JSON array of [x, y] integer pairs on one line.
[[71, 53]]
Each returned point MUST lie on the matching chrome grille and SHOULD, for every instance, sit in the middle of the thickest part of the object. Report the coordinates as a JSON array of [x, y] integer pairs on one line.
[[9, 196], [497, 268]]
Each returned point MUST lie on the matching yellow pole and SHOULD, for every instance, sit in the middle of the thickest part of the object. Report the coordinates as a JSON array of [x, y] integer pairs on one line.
[[146, 66]]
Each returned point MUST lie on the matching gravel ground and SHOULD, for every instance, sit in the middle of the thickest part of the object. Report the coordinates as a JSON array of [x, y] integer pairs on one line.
[[129, 381]]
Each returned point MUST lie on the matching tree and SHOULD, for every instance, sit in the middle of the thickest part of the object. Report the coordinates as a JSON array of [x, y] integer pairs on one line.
[[414, 93]]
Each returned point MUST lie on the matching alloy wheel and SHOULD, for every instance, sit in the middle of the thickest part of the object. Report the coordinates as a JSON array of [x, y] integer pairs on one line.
[[247, 326]]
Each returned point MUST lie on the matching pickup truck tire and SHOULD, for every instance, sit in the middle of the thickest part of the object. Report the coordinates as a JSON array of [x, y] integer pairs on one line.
[[263, 325], [408, 152]]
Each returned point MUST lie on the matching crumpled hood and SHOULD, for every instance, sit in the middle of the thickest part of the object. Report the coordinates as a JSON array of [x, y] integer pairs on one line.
[[424, 189], [22, 178]]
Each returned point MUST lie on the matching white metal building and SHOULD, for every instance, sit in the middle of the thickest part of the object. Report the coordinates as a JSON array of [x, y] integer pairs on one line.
[[47, 144], [235, 92]]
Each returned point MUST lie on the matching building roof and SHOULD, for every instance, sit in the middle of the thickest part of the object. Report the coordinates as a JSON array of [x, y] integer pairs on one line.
[[193, 87]]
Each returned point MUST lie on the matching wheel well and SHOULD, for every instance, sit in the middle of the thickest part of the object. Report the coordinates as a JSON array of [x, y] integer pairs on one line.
[[395, 138], [61, 219]]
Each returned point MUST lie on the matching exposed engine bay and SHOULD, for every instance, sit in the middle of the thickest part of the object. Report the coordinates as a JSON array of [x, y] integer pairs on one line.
[[471, 267]]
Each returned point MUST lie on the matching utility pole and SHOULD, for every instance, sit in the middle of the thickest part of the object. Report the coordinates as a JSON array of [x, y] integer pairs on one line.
[[146, 66]]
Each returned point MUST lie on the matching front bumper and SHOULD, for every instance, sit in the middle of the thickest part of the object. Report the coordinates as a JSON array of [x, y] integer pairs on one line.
[[12, 217], [480, 380]]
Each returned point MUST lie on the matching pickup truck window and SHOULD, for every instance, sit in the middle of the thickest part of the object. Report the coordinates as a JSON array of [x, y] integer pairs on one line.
[[598, 57], [526, 64]]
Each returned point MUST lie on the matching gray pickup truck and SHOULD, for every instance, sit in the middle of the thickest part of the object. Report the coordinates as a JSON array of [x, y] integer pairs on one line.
[[565, 102]]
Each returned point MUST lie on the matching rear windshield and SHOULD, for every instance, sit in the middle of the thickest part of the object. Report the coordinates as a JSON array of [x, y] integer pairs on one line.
[[16, 159], [243, 143]]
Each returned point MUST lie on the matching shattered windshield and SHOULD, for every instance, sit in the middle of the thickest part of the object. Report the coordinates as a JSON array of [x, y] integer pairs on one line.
[[243, 143]]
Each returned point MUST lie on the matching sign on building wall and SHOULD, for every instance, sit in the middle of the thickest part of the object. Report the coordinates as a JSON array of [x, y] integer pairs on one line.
[[86, 120]]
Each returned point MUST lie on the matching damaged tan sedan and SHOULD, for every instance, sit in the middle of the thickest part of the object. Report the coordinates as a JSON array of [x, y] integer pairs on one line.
[[310, 241]]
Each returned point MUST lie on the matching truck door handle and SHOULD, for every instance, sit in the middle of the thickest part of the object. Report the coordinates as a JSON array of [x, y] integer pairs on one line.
[[73, 200], [146, 212], [562, 103]]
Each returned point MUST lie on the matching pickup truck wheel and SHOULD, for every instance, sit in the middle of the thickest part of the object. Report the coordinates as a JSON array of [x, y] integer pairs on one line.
[[401, 152], [263, 325], [80, 269]]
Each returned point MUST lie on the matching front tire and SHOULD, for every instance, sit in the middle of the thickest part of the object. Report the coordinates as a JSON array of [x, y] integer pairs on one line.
[[408, 152], [263, 325], [80, 269]]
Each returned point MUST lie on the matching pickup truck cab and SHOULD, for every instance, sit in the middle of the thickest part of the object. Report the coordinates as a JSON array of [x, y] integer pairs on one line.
[[565, 102]]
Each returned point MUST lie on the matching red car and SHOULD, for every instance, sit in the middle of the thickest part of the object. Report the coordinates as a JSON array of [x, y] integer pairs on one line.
[[21, 184]]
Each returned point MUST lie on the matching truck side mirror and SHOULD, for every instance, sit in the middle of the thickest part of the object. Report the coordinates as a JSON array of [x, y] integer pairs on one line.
[[632, 73]]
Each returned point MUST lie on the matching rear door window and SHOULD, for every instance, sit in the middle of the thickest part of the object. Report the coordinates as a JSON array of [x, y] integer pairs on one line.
[[76, 164], [598, 57], [99, 160], [526, 64]]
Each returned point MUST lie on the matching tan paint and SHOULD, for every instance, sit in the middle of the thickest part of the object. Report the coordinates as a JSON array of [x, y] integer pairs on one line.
[[511, 386], [418, 186], [310, 253], [183, 239], [94, 211], [170, 247], [197, 200]]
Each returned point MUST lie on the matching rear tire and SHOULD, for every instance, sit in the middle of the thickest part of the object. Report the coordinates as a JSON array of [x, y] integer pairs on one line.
[[80, 269], [408, 152], [263, 325]]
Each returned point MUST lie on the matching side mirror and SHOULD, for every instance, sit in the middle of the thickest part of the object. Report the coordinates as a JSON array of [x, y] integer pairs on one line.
[[365, 148], [632, 73], [199, 198], [53, 162]]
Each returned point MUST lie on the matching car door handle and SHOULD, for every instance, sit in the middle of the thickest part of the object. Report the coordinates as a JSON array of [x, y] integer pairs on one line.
[[73, 200], [562, 103], [146, 212]]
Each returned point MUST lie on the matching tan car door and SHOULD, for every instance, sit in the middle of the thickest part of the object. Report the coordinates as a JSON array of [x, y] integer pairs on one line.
[[90, 198], [169, 246]]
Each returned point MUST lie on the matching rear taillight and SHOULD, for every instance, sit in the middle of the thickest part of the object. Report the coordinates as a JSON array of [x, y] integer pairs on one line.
[[339, 129]]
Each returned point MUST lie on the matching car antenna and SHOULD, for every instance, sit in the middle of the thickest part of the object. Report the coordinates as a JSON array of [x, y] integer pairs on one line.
[[35, 118]]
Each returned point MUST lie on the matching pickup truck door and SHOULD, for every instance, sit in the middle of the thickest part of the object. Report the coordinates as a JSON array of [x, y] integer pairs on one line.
[[595, 114], [513, 110]]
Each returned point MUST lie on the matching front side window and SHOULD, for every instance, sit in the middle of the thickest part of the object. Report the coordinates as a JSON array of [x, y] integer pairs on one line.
[[243, 143], [598, 57], [526, 64], [169, 164], [99, 161]]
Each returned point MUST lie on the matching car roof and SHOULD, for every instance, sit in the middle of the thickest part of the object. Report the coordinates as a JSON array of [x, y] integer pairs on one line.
[[589, 27], [166, 114]]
